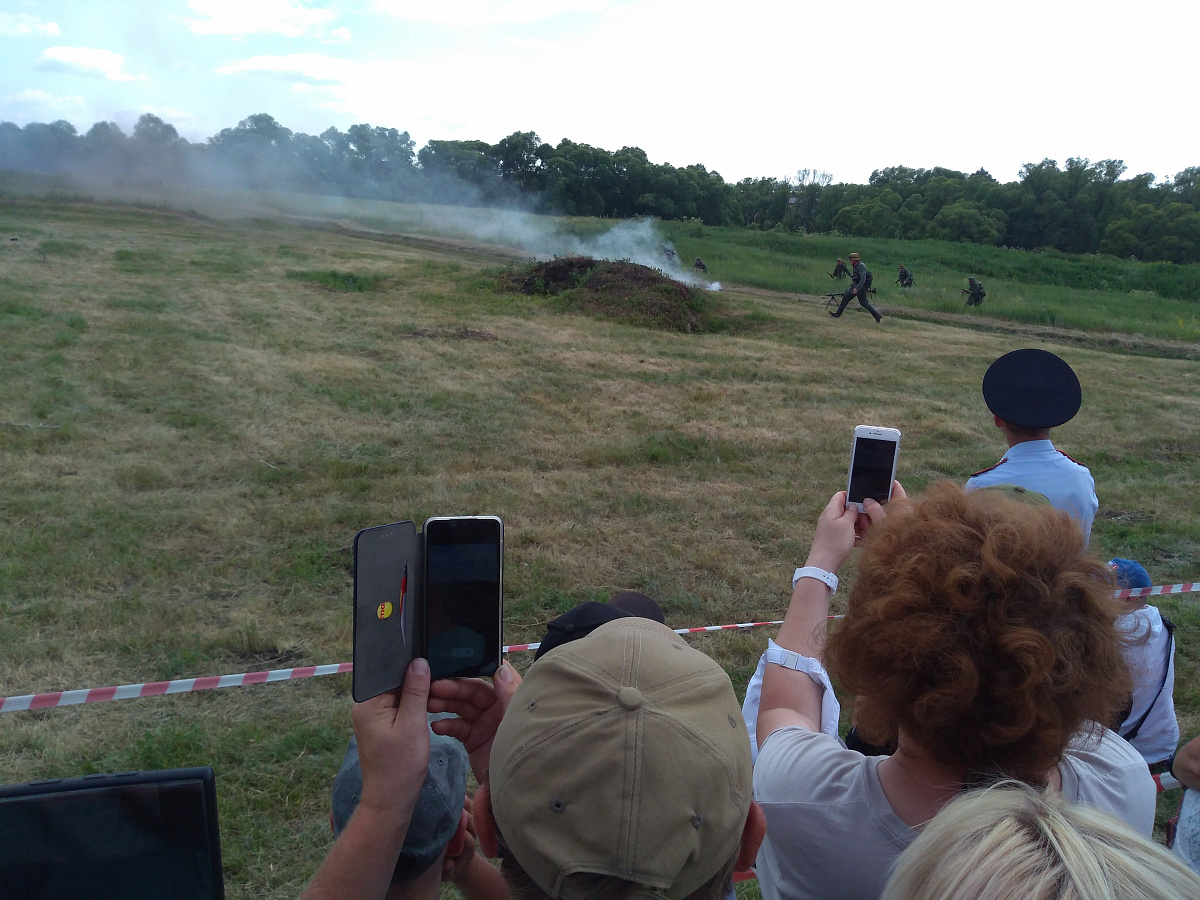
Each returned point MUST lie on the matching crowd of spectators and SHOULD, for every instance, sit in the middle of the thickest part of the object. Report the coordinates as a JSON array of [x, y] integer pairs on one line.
[[1008, 712]]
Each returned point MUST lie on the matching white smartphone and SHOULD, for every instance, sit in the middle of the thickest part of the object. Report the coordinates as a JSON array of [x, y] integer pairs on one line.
[[872, 465]]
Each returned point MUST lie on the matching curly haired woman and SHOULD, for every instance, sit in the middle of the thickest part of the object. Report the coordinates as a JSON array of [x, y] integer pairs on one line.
[[979, 640]]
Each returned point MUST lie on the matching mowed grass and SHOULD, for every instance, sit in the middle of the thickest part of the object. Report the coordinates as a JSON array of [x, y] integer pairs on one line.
[[190, 437]]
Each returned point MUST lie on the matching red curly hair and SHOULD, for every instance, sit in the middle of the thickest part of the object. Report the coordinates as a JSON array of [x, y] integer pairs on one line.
[[979, 626]]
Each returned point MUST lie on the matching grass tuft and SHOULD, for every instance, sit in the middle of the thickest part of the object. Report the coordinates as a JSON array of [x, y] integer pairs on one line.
[[335, 280]]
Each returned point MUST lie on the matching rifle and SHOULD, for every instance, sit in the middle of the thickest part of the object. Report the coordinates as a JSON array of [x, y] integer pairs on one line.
[[832, 298]]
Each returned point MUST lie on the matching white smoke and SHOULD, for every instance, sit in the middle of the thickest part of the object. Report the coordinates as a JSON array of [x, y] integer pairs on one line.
[[635, 240]]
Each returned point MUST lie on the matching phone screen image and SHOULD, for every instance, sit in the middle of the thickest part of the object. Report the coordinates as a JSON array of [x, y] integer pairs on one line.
[[462, 596], [871, 475]]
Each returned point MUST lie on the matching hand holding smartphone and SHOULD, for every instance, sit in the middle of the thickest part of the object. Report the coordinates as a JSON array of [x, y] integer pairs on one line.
[[436, 594], [873, 457]]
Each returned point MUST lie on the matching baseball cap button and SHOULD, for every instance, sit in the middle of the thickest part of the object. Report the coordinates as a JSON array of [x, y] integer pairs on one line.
[[630, 698]]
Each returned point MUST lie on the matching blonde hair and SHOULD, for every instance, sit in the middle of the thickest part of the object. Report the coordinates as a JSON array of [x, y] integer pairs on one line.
[[1011, 842]]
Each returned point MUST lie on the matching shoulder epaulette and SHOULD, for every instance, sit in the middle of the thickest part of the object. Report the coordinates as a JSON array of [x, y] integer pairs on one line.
[[1068, 456], [1002, 462]]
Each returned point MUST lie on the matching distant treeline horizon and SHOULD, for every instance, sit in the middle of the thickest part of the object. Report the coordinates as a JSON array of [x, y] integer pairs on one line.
[[1083, 207]]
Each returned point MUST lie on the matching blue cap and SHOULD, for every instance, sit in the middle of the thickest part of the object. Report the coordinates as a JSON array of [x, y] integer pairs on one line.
[[439, 806], [1130, 574]]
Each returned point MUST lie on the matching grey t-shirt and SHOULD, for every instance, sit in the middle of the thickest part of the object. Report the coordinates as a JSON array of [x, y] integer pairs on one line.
[[831, 831]]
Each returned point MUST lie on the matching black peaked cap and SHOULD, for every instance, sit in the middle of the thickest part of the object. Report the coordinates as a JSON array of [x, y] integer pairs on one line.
[[587, 617], [1032, 389]]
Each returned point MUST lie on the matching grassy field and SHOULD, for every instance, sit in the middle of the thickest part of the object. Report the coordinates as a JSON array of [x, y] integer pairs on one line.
[[198, 413]]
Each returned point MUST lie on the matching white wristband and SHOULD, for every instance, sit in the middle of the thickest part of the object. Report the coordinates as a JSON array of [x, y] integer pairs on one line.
[[827, 578]]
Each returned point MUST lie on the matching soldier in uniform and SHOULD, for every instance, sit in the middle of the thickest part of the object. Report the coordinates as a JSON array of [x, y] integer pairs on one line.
[[699, 264], [974, 291], [860, 284], [905, 280], [839, 271], [1029, 392]]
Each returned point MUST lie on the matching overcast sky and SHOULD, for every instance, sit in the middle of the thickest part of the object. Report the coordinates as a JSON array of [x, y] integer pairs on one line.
[[743, 87]]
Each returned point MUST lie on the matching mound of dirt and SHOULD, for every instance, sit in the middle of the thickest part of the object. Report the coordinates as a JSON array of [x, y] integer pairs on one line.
[[616, 290]]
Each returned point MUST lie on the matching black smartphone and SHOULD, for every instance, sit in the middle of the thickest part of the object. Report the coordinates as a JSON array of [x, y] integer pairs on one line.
[[873, 459], [464, 593]]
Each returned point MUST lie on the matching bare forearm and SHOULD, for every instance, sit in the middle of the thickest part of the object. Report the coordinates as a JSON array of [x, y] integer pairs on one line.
[[482, 881], [362, 860], [1187, 764], [790, 697]]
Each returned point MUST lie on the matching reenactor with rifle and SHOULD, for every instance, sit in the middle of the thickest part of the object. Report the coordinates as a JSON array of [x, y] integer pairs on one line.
[[905, 280], [840, 270], [860, 287], [699, 264], [974, 291]]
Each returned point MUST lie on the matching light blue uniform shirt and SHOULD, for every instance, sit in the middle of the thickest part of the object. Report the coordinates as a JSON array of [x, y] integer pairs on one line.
[[1037, 466]]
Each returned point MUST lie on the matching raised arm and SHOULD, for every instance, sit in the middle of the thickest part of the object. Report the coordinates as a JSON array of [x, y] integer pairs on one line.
[[792, 697], [393, 750]]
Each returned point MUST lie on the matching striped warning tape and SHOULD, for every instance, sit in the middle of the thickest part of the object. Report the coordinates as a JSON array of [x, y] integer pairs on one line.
[[158, 688], [517, 648], [1166, 782], [187, 685], [1188, 587]]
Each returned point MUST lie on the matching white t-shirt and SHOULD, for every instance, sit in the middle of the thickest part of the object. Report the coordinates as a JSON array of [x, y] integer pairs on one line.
[[832, 833], [1187, 832], [1158, 737]]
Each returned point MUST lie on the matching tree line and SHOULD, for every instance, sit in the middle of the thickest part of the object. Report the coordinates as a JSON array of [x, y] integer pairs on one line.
[[1082, 207]]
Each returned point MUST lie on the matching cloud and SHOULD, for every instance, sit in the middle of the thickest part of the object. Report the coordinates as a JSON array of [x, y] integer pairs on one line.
[[340, 36], [291, 18], [170, 113], [43, 100], [314, 68], [86, 61], [478, 13], [25, 26]]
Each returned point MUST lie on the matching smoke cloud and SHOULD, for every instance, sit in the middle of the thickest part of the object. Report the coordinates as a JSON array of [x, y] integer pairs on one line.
[[636, 240]]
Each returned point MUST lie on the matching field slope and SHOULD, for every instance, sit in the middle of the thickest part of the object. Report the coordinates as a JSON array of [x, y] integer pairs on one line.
[[197, 414]]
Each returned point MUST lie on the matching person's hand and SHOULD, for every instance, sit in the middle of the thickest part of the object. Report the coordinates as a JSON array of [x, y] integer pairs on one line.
[[874, 511], [393, 745], [840, 528], [458, 859], [835, 535], [480, 706]]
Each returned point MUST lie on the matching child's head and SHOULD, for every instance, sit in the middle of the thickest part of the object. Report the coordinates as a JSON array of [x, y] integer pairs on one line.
[[435, 818], [1130, 574]]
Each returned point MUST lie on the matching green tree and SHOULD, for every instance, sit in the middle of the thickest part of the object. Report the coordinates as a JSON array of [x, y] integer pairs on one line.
[[967, 221]]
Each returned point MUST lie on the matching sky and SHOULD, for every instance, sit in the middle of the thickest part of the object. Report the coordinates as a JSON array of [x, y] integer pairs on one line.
[[748, 88]]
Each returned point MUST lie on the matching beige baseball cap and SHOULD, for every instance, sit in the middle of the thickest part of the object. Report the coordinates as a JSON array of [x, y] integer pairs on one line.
[[623, 754]]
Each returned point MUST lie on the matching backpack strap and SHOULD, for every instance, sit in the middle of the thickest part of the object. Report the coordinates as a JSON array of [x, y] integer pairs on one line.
[[1169, 627]]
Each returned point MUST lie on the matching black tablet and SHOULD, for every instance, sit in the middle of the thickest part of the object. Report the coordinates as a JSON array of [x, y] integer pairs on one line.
[[137, 836]]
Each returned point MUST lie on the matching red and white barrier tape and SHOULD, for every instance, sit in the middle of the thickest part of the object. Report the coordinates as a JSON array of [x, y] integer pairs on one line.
[[158, 688], [1185, 588], [188, 685], [1166, 782], [516, 648]]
